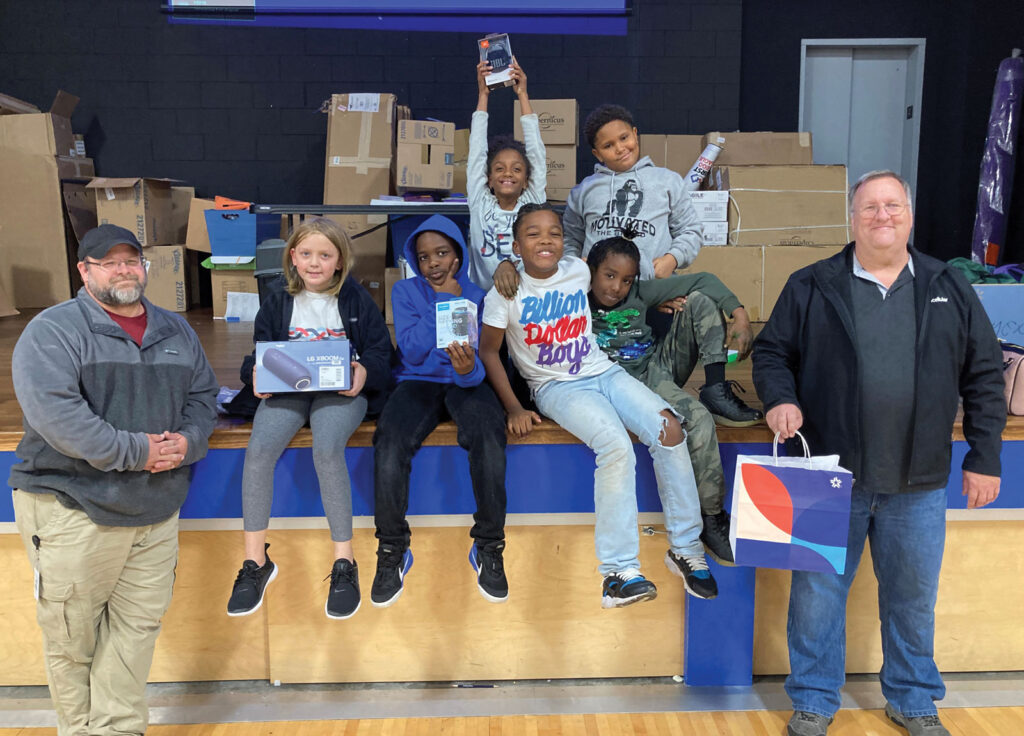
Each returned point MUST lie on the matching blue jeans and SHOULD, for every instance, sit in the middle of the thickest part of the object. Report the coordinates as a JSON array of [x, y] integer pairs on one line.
[[598, 410], [907, 533]]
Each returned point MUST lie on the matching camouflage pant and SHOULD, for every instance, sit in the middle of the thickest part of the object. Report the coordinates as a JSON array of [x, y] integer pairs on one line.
[[697, 334]]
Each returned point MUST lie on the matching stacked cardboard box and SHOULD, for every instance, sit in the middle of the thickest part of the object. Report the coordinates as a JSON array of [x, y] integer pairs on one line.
[[360, 155], [675, 152], [425, 156], [784, 205], [559, 130], [460, 161], [138, 204], [35, 152], [783, 214], [712, 209]]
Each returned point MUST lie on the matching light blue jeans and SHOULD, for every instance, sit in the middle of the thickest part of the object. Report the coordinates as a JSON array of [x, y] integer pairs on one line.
[[907, 533], [599, 410]]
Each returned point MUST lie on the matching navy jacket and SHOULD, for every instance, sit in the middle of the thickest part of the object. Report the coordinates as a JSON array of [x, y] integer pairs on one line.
[[413, 302], [806, 355], [364, 326]]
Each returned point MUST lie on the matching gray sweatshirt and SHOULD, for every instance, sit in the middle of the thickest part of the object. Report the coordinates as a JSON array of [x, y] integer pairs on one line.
[[90, 395], [647, 198]]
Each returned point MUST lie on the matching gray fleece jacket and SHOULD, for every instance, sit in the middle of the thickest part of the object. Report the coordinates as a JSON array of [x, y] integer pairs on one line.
[[90, 395], [648, 199]]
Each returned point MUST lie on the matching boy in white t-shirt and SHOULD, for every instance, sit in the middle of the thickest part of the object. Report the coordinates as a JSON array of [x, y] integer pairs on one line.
[[574, 383]]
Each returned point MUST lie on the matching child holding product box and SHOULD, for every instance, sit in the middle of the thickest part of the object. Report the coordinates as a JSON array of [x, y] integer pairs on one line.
[[433, 384], [501, 175], [316, 300]]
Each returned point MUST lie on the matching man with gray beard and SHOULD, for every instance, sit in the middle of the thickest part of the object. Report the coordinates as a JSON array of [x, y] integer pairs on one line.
[[118, 400]]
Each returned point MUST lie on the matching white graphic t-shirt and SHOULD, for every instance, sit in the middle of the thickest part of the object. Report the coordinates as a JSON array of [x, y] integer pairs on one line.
[[547, 326], [315, 316]]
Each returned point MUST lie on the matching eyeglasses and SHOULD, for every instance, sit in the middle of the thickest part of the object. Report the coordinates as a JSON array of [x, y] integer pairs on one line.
[[893, 209], [112, 266]]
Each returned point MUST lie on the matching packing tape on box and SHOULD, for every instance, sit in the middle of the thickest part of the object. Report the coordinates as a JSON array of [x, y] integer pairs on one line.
[[362, 162], [739, 217]]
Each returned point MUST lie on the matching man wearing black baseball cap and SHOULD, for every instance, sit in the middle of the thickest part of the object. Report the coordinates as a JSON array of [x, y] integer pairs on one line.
[[118, 399]]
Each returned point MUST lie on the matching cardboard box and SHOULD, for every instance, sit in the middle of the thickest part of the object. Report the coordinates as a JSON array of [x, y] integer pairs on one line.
[[430, 132], [455, 321], [561, 167], [41, 133], [196, 237], [425, 156], [303, 365], [558, 194], [460, 161], [715, 232], [711, 206], [139, 204], [6, 304], [73, 167], [675, 152], [79, 218], [741, 269], [34, 265], [167, 277], [758, 149], [1004, 305], [422, 167], [181, 201], [360, 149], [13, 106], [391, 277], [558, 120], [780, 262], [230, 279], [784, 205]]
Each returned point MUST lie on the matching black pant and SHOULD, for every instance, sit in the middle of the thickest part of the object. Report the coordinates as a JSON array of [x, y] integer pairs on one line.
[[413, 410]]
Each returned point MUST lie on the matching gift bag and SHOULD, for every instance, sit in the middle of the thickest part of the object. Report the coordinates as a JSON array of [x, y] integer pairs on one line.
[[790, 513]]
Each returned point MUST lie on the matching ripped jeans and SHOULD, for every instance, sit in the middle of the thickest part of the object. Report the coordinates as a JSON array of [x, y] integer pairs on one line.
[[598, 410]]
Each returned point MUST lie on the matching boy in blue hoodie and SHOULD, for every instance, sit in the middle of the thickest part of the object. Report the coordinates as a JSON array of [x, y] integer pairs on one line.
[[434, 384]]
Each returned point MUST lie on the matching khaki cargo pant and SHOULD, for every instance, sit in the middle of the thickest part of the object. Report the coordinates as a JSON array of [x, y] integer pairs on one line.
[[697, 335], [102, 593]]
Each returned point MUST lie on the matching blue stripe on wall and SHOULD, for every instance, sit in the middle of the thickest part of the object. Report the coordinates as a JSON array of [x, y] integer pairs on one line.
[[539, 478]]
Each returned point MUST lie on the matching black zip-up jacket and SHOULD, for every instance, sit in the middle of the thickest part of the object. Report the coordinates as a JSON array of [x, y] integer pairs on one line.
[[806, 355], [364, 328]]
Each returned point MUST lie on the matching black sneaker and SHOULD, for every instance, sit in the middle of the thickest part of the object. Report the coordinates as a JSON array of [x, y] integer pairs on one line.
[[626, 587], [726, 407], [917, 726], [343, 598], [490, 572], [715, 537], [393, 563], [250, 585], [693, 569]]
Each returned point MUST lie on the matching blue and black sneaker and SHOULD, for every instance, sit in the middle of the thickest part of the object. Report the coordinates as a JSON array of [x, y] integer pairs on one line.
[[693, 569], [625, 588], [489, 566], [393, 563]]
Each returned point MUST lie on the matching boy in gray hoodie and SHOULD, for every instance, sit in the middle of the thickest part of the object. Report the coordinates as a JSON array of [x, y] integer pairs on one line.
[[627, 192]]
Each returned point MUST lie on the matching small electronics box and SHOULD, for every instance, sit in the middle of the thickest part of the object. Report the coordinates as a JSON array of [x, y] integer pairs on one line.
[[303, 365], [456, 322], [496, 50]]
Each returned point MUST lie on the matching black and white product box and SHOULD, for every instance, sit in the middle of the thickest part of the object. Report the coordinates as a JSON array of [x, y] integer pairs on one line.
[[496, 50], [711, 206], [303, 365], [456, 322]]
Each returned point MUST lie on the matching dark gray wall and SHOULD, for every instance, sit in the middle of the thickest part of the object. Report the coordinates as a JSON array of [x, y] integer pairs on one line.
[[965, 41], [233, 110]]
